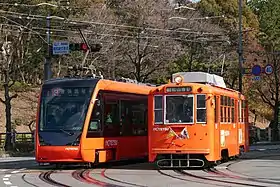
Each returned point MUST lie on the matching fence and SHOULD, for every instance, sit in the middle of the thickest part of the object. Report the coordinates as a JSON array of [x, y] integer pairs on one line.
[[18, 138]]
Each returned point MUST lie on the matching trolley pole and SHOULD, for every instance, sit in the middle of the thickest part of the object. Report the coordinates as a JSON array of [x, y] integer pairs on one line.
[[47, 65], [240, 49]]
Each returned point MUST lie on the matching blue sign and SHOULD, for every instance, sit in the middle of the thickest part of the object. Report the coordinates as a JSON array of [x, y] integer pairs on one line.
[[256, 78], [256, 70], [60, 48], [268, 69]]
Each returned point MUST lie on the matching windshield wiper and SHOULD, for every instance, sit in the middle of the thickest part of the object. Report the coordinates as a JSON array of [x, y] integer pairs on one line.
[[66, 132]]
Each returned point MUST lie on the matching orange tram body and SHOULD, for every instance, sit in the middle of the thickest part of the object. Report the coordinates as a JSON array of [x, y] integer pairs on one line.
[[89, 120], [196, 121]]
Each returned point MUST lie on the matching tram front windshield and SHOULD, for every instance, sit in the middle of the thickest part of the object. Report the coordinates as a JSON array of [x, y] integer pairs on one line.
[[63, 111]]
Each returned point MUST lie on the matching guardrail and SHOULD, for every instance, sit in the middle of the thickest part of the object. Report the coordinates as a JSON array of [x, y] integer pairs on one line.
[[22, 137]]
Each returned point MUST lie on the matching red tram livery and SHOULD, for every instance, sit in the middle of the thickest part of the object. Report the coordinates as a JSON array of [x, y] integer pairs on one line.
[[90, 120]]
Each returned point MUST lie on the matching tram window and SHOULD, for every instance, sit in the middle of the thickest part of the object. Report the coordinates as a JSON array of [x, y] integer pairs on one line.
[[179, 109], [222, 114], [133, 116], [216, 109], [96, 115], [229, 117], [225, 114], [201, 109], [158, 110], [232, 115], [111, 115]]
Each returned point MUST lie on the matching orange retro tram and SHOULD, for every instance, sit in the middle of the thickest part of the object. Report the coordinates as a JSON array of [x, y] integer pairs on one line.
[[90, 120], [196, 121]]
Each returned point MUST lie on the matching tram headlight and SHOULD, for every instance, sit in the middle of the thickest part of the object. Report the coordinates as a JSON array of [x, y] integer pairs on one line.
[[178, 79]]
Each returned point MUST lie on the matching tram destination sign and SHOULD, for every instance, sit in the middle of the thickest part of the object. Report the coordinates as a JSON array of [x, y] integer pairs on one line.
[[67, 92], [179, 89]]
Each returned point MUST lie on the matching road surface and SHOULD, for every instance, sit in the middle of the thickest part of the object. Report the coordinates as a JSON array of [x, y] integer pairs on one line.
[[260, 167]]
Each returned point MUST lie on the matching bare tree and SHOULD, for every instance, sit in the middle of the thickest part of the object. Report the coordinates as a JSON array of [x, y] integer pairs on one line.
[[6, 70]]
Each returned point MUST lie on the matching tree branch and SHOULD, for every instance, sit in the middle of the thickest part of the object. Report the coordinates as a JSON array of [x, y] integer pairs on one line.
[[130, 57], [13, 96], [10, 85], [2, 101], [265, 99]]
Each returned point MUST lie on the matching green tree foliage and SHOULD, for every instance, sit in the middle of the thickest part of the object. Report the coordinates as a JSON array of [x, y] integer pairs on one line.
[[268, 13], [229, 9]]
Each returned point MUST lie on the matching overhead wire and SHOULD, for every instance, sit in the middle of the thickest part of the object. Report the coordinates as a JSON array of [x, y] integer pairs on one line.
[[125, 36], [74, 21], [121, 36], [24, 27], [69, 36], [39, 4]]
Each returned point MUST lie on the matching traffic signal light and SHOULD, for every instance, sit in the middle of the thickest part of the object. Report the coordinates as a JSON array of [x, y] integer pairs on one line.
[[95, 47], [84, 47], [78, 47]]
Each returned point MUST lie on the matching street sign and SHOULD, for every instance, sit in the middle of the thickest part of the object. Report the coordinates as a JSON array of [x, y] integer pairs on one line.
[[268, 69], [256, 78], [256, 70], [60, 47]]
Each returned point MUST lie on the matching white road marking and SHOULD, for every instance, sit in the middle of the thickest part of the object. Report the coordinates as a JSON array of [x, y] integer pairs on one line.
[[7, 182], [17, 171], [6, 178], [221, 167], [2, 170]]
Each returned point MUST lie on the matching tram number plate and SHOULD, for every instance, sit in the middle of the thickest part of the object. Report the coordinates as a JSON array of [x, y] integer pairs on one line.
[[158, 129], [111, 143]]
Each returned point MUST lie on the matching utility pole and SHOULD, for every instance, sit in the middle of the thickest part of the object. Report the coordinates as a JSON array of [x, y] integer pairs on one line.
[[240, 49], [47, 65]]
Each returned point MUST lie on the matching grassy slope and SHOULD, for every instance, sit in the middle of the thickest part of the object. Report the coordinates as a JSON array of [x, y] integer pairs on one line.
[[23, 110]]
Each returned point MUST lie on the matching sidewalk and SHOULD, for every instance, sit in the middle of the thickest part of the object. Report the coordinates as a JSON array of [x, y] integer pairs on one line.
[[267, 143], [262, 146]]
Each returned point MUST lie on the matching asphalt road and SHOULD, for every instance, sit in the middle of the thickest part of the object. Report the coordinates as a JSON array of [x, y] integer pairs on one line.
[[260, 167]]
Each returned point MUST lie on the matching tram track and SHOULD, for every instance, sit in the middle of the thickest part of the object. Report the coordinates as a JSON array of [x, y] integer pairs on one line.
[[262, 182], [46, 177], [182, 179], [27, 182], [120, 181], [217, 180], [237, 177], [223, 175]]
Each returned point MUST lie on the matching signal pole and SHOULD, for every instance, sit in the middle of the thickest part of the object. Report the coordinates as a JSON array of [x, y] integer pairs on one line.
[[47, 64], [240, 49]]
